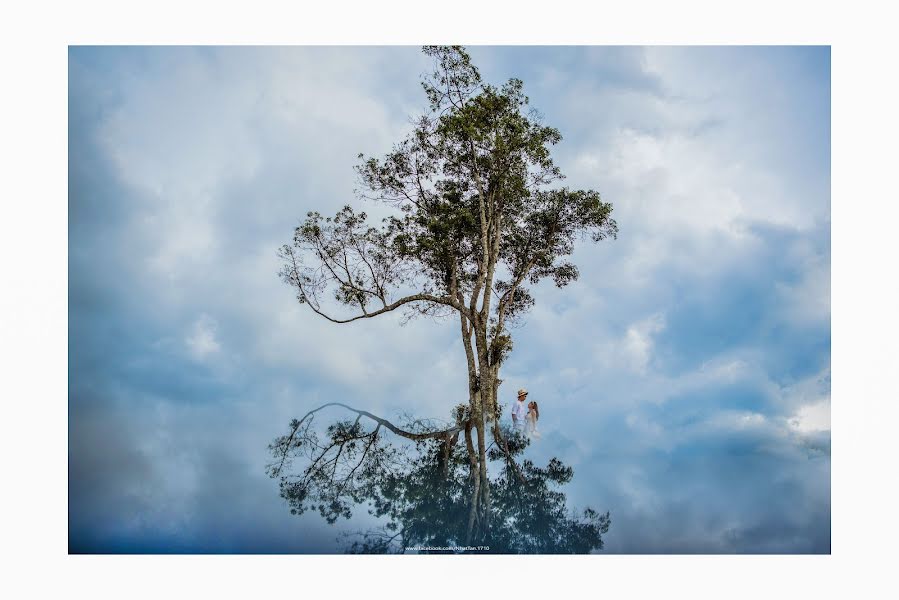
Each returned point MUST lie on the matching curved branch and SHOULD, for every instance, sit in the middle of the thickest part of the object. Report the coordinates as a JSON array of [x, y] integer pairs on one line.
[[443, 433], [309, 299], [445, 300], [382, 422]]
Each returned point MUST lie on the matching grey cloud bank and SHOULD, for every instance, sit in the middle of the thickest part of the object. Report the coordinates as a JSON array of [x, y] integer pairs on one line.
[[685, 377]]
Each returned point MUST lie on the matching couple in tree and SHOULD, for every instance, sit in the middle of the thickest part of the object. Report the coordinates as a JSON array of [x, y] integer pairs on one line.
[[524, 418]]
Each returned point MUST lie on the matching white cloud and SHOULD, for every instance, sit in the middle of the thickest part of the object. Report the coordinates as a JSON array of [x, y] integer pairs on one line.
[[203, 122], [202, 341], [691, 169], [806, 391], [637, 344], [812, 417]]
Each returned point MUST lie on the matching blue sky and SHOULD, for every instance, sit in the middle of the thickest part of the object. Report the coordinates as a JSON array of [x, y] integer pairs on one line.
[[685, 377]]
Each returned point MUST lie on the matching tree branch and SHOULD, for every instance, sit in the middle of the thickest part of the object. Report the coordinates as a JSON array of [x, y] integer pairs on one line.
[[382, 422], [445, 300]]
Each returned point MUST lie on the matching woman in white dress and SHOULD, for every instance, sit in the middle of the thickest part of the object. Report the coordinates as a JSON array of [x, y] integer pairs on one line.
[[532, 416]]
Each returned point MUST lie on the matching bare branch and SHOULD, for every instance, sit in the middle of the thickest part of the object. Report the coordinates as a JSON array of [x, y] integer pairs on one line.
[[381, 421]]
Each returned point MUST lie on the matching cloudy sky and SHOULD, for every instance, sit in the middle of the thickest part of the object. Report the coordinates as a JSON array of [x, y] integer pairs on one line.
[[685, 377]]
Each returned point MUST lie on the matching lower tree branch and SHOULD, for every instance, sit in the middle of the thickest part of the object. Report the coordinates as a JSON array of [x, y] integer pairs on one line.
[[410, 435]]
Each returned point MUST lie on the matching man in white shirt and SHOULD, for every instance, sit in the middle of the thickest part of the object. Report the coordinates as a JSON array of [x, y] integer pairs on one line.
[[520, 410]]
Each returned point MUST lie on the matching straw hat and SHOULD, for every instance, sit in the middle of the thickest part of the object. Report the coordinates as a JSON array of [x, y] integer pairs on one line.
[[522, 392]]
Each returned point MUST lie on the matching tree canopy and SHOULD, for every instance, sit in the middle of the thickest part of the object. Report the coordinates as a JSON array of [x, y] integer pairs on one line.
[[471, 183]]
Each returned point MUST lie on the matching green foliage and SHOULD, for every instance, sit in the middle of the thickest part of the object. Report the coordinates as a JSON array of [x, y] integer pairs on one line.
[[472, 185]]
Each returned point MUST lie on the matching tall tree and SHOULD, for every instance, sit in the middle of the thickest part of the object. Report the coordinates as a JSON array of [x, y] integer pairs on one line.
[[480, 217]]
